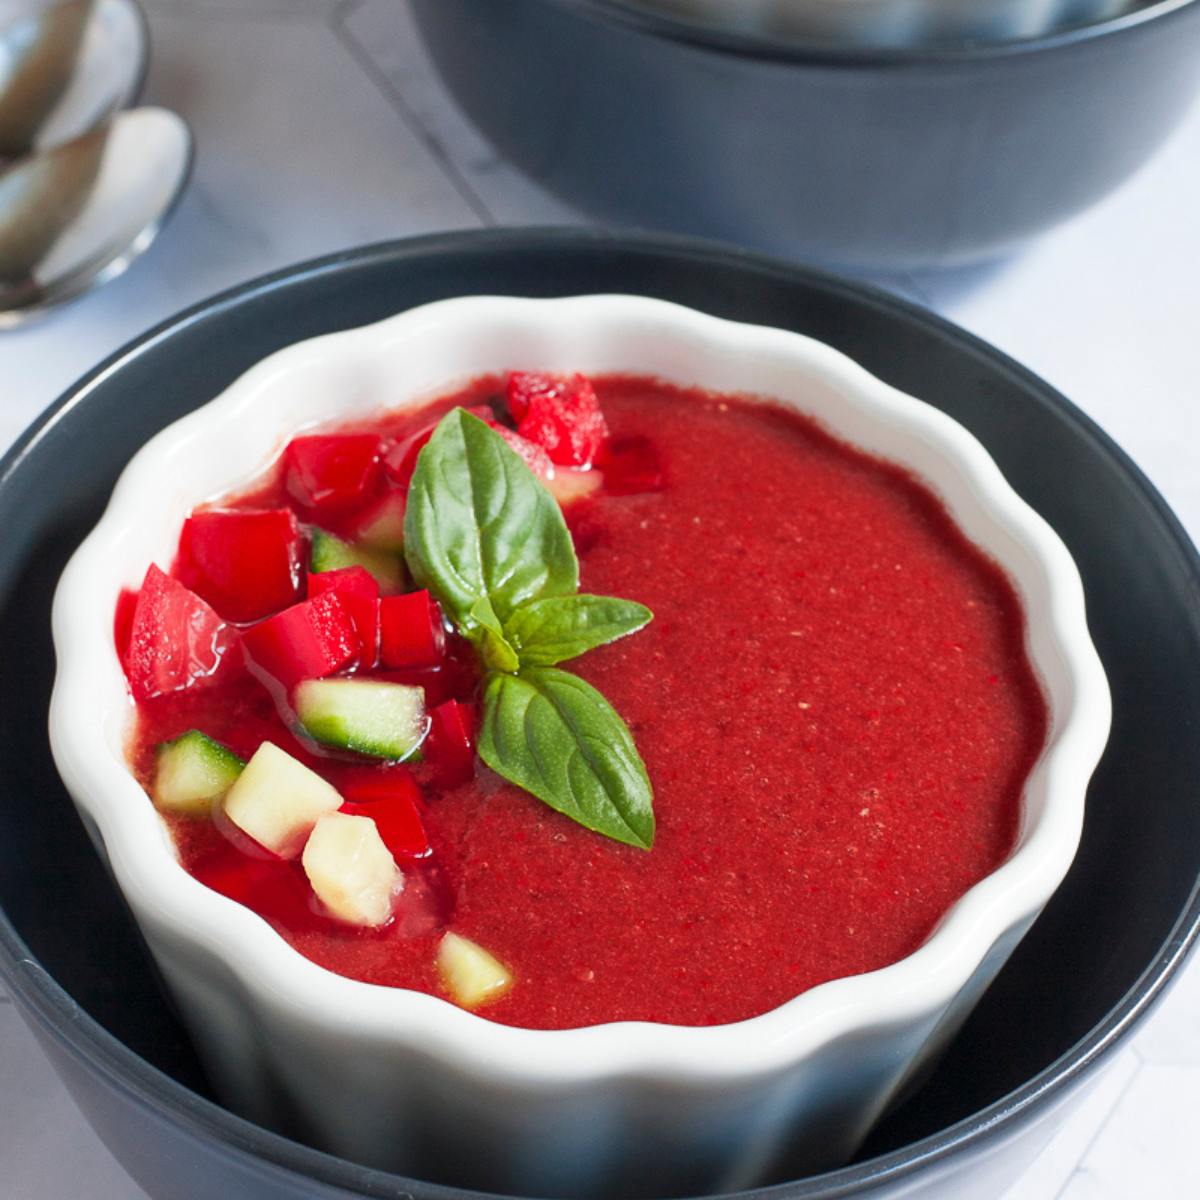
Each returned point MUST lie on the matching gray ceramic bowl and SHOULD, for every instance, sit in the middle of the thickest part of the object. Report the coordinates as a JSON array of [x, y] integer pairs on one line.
[[877, 157], [892, 22]]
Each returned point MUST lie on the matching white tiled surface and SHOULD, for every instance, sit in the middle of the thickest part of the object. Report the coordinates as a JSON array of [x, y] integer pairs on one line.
[[320, 126]]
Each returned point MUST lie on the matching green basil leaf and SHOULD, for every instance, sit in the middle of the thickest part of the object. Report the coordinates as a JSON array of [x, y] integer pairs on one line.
[[488, 636], [555, 736], [480, 527], [545, 632]]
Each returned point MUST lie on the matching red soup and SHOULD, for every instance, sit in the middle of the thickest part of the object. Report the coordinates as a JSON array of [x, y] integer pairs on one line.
[[832, 702]]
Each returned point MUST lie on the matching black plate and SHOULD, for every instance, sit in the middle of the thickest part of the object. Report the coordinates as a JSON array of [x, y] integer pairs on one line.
[[1101, 954]]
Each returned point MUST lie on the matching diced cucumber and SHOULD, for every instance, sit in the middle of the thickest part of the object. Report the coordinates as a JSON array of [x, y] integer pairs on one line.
[[384, 527], [277, 800], [470, 974], [330, 553], [192, 772], [351, 871], [386, 720]]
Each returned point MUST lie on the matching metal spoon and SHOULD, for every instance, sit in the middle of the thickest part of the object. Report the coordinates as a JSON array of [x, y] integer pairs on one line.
[[67, 67], [79, 214], [37, 58]]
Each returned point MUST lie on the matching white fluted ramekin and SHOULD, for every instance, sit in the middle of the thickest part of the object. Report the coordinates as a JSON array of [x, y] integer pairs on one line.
[[407, 1081]]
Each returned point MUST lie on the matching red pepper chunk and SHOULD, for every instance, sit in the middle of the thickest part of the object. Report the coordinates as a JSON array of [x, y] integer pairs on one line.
[[560, 413], [411, 634], [358, 591], [307, 641], [400, 461], [176, 641], [393, 802], [332, 473], [247, 563], [531, 454], [449, 747]]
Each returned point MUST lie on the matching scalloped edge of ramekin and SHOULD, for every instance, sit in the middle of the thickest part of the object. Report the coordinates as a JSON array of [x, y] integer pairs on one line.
[[429, 350]]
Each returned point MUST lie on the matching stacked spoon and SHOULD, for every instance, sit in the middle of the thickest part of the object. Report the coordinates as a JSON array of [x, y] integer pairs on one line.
[[85, 181]]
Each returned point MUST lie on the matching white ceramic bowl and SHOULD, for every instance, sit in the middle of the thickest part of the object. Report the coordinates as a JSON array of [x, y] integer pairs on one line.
[[408, 1081], [893, 23]]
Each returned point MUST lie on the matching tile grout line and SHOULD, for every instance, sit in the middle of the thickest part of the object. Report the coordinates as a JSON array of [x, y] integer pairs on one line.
[[337, 22], [1100, 1130]]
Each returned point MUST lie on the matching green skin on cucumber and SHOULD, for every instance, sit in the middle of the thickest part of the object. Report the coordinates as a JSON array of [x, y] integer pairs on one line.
[[384, 720], [192, 773], [330, 553]]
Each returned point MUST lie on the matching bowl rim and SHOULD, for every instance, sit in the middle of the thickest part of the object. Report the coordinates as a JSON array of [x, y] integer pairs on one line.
[[266, 966], [764, 47], [88, 1044]]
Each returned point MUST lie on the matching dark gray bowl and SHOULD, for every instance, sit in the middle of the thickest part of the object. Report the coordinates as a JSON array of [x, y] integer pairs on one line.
[[876, 158], [1104, 950]]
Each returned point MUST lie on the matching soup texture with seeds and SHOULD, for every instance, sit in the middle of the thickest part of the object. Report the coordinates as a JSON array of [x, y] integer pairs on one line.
[[833, 704]]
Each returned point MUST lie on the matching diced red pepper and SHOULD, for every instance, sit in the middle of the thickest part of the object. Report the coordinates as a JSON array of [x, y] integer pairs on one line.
[[400, 461], [411, 634], [176, 641], [358, 591], [272, 888], [332, 473], [307, 641], [630, 465], [560, 413], [123, 622], [450, 748], [393, 801], [534, 457], [247, 563]]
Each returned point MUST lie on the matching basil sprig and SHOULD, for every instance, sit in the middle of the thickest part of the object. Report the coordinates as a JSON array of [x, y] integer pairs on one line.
[[489, 541]]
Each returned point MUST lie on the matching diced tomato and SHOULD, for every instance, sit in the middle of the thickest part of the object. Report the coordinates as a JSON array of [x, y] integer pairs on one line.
[[411, 634], [247, 563], [332, 473], [450, 748], [380, 526], [307, 641], [272, 888], [534, 457], [400, 461], [393, 801], [176, 641], [560, 413], [630, 465], [123, 622], [358, 591]]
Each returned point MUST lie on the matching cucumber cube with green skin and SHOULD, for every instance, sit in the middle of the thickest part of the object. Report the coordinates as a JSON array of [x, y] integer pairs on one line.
[[384, 720], [383, 526], [277, 800], [330, 553], [469, 973], [192, 773]]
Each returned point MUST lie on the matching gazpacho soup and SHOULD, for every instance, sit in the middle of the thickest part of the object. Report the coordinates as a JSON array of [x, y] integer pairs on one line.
[[576, 701]]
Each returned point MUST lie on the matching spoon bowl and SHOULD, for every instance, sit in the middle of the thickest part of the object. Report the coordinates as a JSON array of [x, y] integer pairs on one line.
[[38, 52], [79, 214]]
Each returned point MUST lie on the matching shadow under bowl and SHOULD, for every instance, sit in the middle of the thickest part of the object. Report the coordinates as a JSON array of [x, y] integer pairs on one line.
[[897, 158], [1104, 950]]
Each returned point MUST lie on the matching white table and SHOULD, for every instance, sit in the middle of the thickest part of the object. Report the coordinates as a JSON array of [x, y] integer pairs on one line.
[[320, 125]]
